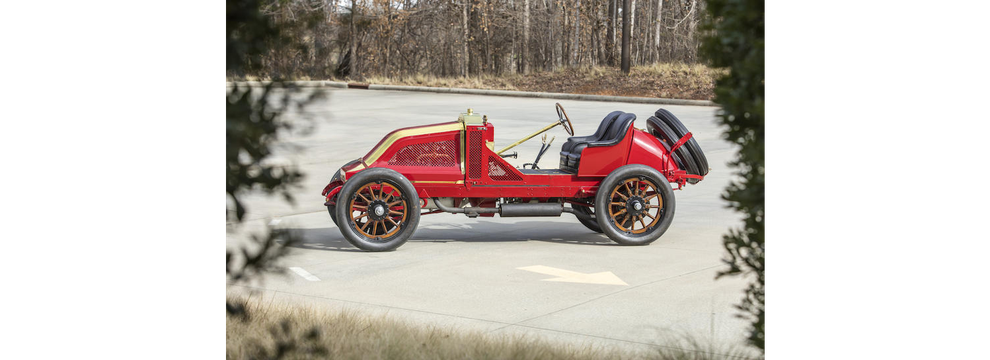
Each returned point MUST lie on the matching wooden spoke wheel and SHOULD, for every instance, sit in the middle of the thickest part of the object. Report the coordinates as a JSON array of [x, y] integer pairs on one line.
[[377, 210], [635, 205]]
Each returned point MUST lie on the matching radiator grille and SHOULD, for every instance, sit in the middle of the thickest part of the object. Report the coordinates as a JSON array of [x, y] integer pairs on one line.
[[474, 158], [433, 154]]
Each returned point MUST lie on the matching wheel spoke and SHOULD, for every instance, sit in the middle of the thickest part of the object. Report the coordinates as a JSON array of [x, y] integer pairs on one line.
[[395, 203], [393, 222], [360, 207], [374, 228], [641, 222], [618, 203], [365, 226], [366, 201], [650, 197], [619, 213], [648, 214], [393, 212]]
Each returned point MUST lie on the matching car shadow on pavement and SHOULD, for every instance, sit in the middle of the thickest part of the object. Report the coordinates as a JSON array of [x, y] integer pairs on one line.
[[491, 231], [330, 239]]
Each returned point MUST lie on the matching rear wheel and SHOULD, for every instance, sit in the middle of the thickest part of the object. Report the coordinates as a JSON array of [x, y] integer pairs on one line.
[[377, 210], [634, 205]]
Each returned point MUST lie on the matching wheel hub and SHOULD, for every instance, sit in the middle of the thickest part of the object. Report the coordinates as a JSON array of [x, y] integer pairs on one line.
[[377, 210], [635, 205]]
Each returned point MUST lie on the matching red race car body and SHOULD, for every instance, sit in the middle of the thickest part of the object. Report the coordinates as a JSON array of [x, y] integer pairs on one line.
[[453, 167]]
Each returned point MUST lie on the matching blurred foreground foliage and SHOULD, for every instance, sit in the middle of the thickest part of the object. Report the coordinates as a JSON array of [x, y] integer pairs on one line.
[[256, 118], [735, 42]]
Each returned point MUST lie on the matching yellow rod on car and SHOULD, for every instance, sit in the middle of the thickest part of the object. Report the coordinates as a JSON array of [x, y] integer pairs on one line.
[[543, 130]]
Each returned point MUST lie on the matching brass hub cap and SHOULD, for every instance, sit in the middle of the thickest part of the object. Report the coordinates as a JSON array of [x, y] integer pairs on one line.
[[635, 205]]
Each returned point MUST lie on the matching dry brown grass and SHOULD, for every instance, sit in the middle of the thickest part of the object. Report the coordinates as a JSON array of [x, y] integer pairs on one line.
[[489, 82], [672, 81], [668, 80], [347, 335]]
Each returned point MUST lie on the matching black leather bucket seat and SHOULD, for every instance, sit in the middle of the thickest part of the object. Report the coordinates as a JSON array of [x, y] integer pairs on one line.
[[615, 125]]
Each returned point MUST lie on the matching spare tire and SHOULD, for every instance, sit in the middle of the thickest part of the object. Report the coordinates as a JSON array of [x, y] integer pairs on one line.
[[692, 145], [681, 156]]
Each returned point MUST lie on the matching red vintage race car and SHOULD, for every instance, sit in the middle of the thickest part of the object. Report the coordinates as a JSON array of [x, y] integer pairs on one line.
[[616, 181]]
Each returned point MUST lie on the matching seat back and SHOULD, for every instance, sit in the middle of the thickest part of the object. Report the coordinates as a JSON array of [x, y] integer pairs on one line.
[[605, 124], [616, 131], [602, 128]]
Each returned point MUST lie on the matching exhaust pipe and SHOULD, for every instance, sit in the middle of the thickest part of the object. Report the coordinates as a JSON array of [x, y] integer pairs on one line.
[[520, 210], [469, 211]]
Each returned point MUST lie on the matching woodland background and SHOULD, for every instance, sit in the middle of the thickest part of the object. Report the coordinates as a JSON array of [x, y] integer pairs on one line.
[[390, 39]]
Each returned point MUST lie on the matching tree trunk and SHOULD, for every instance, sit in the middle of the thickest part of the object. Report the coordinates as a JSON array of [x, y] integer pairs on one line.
[[388, 37], [610, 36], [354, 70], [525, 44], [464, 50], [632, 28], [656, 37], [577, 33], [625, 36], [513, 62]]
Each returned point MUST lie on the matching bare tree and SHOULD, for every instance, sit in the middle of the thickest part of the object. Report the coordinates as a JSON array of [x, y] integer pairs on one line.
[[577, 33], [625, 35], [354, 68], [466, 39], [610, 37], [656, 36], [525, 57]]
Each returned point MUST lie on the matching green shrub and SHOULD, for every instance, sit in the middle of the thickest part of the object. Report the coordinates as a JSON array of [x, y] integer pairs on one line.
[[735, 42]]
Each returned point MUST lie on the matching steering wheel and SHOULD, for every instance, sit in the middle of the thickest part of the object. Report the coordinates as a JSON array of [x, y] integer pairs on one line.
[[565, 120]]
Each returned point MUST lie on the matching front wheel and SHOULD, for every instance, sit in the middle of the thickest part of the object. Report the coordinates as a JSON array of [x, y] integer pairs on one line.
[[634, 205], [377, 210]]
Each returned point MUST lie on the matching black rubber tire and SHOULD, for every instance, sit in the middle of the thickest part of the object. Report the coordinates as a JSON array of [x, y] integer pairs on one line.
[[590, 224], [681, 156], [602, 202], [692, 145], [337, 176], [333, 214], [373, 175]]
